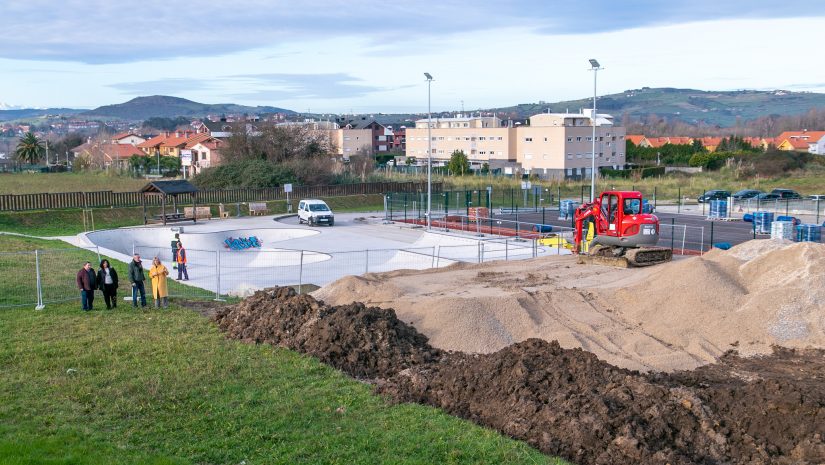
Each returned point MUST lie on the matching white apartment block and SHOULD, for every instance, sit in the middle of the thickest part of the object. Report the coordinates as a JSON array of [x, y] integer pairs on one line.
[[552, 145]]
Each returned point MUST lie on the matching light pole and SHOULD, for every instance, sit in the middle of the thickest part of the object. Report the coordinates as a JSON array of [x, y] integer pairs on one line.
[[429, 149], [595, 67]]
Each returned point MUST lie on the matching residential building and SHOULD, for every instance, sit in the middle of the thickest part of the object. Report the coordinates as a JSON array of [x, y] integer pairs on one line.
[[551, 145], [352, 141], [482, 139], [638, 140], [169, 144], [205, 153], [817, 147], [127, 138], [105, 154], [798, 140], [560, 145]]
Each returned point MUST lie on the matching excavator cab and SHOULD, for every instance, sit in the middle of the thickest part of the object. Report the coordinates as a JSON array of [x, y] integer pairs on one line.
[[622, 229]]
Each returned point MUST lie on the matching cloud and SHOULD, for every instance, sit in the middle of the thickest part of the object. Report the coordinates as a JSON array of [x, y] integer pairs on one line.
[[169, 86], [102, 31]]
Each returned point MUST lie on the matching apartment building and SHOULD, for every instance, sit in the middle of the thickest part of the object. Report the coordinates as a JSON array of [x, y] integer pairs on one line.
[[551, 145], [482, 138], [559, 145]]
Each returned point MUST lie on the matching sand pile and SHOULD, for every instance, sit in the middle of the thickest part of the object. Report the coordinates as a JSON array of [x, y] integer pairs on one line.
[[669, 317], [758, 294], [565, 402]]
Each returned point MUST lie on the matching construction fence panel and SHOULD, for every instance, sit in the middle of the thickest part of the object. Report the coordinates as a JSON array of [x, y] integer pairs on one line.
[[201, 267], [18, 270], [58, 272]]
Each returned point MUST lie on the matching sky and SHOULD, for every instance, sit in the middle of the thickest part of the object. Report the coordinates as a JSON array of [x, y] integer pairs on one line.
[[367, 57]]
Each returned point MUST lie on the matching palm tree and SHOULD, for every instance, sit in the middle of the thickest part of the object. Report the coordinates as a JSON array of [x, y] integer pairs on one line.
[[30, 149]]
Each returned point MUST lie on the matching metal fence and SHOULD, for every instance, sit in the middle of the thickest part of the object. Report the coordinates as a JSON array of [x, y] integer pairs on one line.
[[42, 277]]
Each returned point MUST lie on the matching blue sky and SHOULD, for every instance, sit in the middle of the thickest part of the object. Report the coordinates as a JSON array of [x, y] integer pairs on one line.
[[345, 56]]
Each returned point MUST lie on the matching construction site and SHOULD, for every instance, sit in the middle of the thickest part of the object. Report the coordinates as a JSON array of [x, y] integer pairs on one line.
[[708, 359]]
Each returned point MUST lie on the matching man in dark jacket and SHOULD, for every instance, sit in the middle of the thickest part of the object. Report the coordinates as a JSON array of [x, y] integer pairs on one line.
[[87, 283], [136, 277]]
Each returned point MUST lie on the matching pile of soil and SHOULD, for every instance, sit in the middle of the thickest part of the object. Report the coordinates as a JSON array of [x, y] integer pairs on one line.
[[365, 342], [566, 402]]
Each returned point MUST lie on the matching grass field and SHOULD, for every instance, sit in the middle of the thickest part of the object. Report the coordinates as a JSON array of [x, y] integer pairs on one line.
[[165, 387], [70, 222], [33, 183]]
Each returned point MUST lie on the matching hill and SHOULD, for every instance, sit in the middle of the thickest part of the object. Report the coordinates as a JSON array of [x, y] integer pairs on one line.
[[141, 108], [11, 115], [689, 105]]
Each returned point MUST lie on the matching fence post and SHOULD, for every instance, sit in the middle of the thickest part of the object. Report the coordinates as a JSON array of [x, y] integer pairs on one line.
[[654, 198], [367, 261], [39, 305], [672, 231], [301, 272], [679, 200], [817, 210], [711, 234], [432, 261], [98, 253], [217, 275], [437, 256]]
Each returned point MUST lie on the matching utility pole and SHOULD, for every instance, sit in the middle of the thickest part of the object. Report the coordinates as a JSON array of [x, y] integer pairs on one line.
[[429, 149], [595, 67]]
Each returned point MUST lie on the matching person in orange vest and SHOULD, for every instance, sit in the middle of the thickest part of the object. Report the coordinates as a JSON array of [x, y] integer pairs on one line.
[[180, 258]]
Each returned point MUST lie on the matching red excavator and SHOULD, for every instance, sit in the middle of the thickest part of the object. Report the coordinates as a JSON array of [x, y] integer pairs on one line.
[[623, 234]]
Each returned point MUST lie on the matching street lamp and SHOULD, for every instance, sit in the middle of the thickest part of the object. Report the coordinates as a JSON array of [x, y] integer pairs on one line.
[[595, 67], [429, 149]]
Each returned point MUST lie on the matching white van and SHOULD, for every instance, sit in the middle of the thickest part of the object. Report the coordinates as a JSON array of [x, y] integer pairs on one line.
[[313, 212]]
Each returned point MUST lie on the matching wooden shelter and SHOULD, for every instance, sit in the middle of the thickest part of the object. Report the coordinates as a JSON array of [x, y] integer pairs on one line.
[[164, 190]]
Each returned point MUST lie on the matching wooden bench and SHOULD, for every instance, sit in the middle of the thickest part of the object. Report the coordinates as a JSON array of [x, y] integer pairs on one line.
[[222, 213], [257, 208], [171, 218], [201, 212]]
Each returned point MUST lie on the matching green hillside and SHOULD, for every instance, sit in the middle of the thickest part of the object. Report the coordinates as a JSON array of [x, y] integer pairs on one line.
[[169, 107], [689, 105]]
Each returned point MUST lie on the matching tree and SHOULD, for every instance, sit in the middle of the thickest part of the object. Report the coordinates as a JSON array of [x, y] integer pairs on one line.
[[459, 165], [30, 149]]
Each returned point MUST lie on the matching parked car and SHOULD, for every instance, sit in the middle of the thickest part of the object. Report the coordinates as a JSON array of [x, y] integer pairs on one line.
[[768, 196], [746, 194], [715, 194], [313, 212], [786, 194], [817, 197]]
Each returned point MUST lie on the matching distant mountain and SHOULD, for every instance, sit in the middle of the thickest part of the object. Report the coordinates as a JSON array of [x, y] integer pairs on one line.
[[9, 115], [689, 105], [142, 108]]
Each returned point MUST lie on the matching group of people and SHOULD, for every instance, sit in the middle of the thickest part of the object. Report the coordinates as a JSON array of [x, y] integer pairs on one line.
[[106, 280]]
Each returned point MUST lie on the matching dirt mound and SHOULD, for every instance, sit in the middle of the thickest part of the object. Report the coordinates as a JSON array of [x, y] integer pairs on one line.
[[366, 342], [567, 402]]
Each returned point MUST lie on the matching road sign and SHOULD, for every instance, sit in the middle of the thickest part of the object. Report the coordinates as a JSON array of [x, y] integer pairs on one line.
[[287, 188]]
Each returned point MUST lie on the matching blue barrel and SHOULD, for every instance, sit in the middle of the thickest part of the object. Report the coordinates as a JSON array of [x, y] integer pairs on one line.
[[762, 222], [542, 228], [718, 209], [809, 233], [793, 220], [747, 218]]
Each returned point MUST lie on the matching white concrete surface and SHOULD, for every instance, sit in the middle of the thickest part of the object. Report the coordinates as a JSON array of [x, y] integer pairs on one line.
[[293, 253]]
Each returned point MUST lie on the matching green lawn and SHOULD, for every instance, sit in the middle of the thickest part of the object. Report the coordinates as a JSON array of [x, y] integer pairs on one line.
[[166, 387], [34, 183]]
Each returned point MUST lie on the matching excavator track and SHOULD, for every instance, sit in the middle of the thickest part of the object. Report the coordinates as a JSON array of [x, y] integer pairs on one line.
[[625, 257]]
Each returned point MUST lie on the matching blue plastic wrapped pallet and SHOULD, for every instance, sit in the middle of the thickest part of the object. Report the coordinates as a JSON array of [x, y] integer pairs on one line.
[[747, 218], [809, 233], [792, 219], [762, 222], [542, 228], [718, 209], [567, 208]]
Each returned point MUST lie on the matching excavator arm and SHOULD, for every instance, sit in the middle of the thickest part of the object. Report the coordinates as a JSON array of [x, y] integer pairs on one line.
[[585, 211]]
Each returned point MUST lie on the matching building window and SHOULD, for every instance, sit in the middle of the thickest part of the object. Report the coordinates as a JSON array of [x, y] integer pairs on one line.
[[528, 156], [569, 139], [545, 156], [578, 155], [589, 139], [482, 138], [499, 138], [545, 139], [441, 138], [579, 139], [621, 137], [569, 156], [482, 152], [528, 139]]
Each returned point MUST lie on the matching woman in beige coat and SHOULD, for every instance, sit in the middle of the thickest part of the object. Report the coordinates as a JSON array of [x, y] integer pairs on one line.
[[160, 292]]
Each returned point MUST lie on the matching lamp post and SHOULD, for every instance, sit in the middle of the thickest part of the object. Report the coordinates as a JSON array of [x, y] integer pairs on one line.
[[595, 67], [429, 149]]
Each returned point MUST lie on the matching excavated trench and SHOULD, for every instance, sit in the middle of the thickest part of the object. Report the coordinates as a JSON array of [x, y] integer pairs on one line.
[[764, 410]]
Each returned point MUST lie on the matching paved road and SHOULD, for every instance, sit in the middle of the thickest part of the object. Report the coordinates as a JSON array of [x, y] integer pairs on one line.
[[691, 232]]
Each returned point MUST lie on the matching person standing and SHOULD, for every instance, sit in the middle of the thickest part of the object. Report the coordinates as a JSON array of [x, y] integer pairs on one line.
[[160, 291], [86, 282], [107, 282], [181, 259], [174, 246], [136, 277]]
